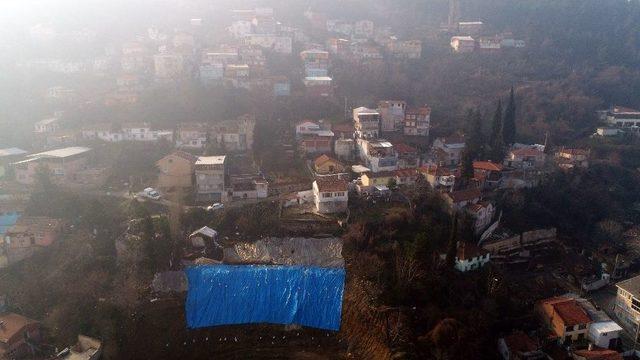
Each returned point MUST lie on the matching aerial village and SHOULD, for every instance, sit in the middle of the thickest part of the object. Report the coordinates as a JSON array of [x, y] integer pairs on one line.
[[375, 159]]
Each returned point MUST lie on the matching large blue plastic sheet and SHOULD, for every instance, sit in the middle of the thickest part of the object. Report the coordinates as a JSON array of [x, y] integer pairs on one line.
[[246, 294]]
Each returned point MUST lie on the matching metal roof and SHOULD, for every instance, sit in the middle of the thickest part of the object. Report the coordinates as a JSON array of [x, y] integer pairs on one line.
[[61, 153], [210, 160], [12, 152]]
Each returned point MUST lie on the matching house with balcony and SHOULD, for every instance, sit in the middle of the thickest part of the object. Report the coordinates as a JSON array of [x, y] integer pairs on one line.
[[330, 194], [392, 114], [488, 174], [417, 122], [211, 174], [564, 319], [627, 303], [192, 136], [525, 157], [572, 158], [408, 156], [439, 177], [366, 122]]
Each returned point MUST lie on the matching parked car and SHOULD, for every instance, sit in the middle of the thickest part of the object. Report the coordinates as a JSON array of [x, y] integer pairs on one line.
[[151, 193], [216, 206]]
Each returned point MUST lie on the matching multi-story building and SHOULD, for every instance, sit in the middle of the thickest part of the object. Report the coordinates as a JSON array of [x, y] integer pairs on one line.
[[377, 155], [448, 150], [63, 164], [316, 62], [623, 117], [469, 257], [417, 122], [235, 135], [470, 27], [143, 132], [330, 194], [627, 304], [572, 158], [392, 114], [210, 172], [367, 123], [318, 86], [176, 170]]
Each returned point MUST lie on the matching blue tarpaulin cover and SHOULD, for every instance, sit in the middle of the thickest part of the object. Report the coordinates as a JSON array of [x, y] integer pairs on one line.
[[245, 294]]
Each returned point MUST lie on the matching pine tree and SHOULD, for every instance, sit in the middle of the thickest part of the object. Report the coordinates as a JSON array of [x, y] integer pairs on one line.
[[496, 141], [475, 137], [509, 126]]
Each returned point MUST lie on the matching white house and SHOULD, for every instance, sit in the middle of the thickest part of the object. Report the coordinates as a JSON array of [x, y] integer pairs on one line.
[[482, 213], [469, 257], [378, 155], [605, 334], [463, 44], [330, 194], [307, 127], [47, 126]]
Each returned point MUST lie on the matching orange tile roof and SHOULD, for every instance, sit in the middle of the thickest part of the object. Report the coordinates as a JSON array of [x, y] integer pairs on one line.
[[487, 166], [323, 159], [599, 354]]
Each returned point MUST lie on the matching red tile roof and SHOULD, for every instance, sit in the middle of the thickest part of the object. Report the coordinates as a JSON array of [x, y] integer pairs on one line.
[[527, 151], [487, 166], [331, 183], [599, 354], [568, 310], [405, 172], [520, 342], [468, 251], [402, 148], [464, 195], [435, 170], [425, 110]]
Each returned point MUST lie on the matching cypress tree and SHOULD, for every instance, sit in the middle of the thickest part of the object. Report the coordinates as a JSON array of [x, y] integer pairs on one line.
[[509, 126], [496, 141]]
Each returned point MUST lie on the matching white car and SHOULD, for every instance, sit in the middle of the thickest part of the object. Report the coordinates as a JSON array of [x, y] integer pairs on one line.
[[151, 193], [216, 206]]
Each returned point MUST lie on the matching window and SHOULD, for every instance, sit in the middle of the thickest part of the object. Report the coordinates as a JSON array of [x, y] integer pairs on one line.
[[582, 327], [568, 328], [326, 195]]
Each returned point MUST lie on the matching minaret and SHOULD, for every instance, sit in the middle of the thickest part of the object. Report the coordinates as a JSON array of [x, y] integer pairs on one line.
[[454, 14]]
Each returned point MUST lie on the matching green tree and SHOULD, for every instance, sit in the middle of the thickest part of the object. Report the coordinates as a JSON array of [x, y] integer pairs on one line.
[[452, 247], [496, 141], [509, 125]]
